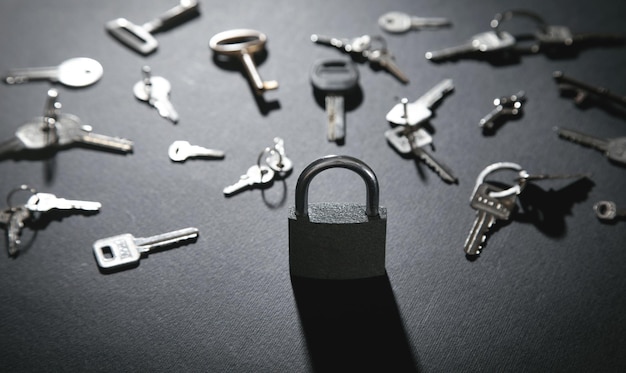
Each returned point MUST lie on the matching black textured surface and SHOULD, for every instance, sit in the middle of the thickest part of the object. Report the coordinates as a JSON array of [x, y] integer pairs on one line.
[[546, 294]]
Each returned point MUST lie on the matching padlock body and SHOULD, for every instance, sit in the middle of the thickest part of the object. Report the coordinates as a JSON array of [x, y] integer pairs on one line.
[[337, 241]]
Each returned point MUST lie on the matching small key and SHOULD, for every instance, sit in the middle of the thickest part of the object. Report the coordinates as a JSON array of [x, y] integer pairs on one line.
[[419, 111], [242, 44], [75, 72], [155, 90], [336, 78], [124, 250], [613, 148], [399, 22], [383, 57], [277, 160], [255, 176], [505, 105], [607, 210], [485, 42], [44, 202], [179, 151]]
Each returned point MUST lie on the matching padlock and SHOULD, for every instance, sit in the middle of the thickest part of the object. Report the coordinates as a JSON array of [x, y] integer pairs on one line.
[[337, 241]]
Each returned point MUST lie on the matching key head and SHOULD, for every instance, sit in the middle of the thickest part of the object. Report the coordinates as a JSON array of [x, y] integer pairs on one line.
[[616, 150], [395, 22], [116, 251], [238, 41], [259, 175], [501, 207], [491, 41], [133, 36], [334, 75], [159, 88], [79, 72], [416, 114], [32, 136], [179, 151]]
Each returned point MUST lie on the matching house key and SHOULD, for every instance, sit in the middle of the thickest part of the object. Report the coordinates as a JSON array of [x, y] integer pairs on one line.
[[155, 90], [75, 72]]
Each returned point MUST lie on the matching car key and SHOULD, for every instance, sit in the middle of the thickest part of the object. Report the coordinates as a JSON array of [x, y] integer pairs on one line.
[[255, 176], [399, 22], [335, 78], [180, 151], [613, 148], [155, 90], [75, 72], [485, 42], [125, 250]]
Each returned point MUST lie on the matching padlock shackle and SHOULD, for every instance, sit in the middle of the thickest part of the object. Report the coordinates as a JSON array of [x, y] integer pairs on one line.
[[337, 161]]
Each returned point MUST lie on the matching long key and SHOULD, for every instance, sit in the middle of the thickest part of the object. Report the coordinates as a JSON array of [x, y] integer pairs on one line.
[[399, 22], [488, 211], [124, 249], [43, 202], [607, 210], [75, 72], [584, 90], [71, 131], [384, 59], [613, 148], [419, 110], [155, 90], [255, 176], [485, 42], [180, 151]]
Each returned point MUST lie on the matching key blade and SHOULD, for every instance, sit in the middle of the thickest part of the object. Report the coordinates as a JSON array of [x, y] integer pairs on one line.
[[441, 169], [478, 234], [165, 109], [385, 60], [435, 94], [145, 244], [336, 117], [583, 139], [450, 52], [133, 36], [425, 22]]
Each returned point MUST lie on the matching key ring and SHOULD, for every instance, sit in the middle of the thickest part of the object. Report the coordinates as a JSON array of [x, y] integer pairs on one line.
[[516, 189], [500, 18], [270, 151], [21, 188]]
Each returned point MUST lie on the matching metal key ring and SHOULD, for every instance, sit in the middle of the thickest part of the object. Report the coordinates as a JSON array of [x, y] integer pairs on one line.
[[516, 189], [21, 188], [232, 42], [269, 151]]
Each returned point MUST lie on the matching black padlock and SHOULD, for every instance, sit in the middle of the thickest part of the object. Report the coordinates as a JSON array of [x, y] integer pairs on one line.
[[337, 240]]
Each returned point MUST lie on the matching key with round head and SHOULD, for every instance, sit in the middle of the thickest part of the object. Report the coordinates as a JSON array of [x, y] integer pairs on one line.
[[125, 250], [399, 22], [44, 202], [75, 72], [180, 151], [155, 90], [335, 78], [491, 203], [485, 42], [607, 210], [256, 175], [242, 44], [613, 148]]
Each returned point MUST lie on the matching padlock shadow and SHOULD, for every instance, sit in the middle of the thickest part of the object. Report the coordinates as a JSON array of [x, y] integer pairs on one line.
[[353, 325]]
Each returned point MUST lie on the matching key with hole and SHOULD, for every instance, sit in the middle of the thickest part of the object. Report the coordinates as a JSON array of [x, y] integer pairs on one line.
[[125, 250], [378, 54], [44, 202], [613, 148], [242, 44], [180, 151], [155, 90], [399, 22], [420, 110], [75, 72], [485, 42], [607, 210], [255, 176], [335, 78], [139, 37]]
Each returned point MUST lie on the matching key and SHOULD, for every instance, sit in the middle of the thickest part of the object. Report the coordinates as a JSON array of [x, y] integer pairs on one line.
[[242, 44], [335, 78], [607, 210], [44, 202], [584, 91], [485, 42], [139, 37], [17, 217], [398, 22], [398, 138], [382, 57], [613, 148], [255, 176], [72, 131], [277, 160], [505, 105], [75, 72], [354, 46], [441, 169], [155, 90], [179, 151], [124, 250], [419, 111]]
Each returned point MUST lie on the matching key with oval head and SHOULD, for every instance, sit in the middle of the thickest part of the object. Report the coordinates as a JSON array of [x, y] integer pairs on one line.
[[44, 202], [607, 210], [155, 90], [490, 41], [399, 22], [75, 72], [613, 148], [242, 44], [255, 176], [125, 250], [336, 78], [179, 151]]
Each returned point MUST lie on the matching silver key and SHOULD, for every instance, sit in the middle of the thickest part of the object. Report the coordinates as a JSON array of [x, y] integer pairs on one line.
[[180, 150], [124, 250], [71, 131], [420, 110], [607, 210], [441, 169], [354, 46], [277, 159], [384, 59], [155, 90], [485, 42], [506, 105], [399, 22], [255, 176], [75, 72], [613, 148], [43, 202]]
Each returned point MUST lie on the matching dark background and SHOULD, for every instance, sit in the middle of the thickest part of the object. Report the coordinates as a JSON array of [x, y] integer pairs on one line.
[[547, 294]]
